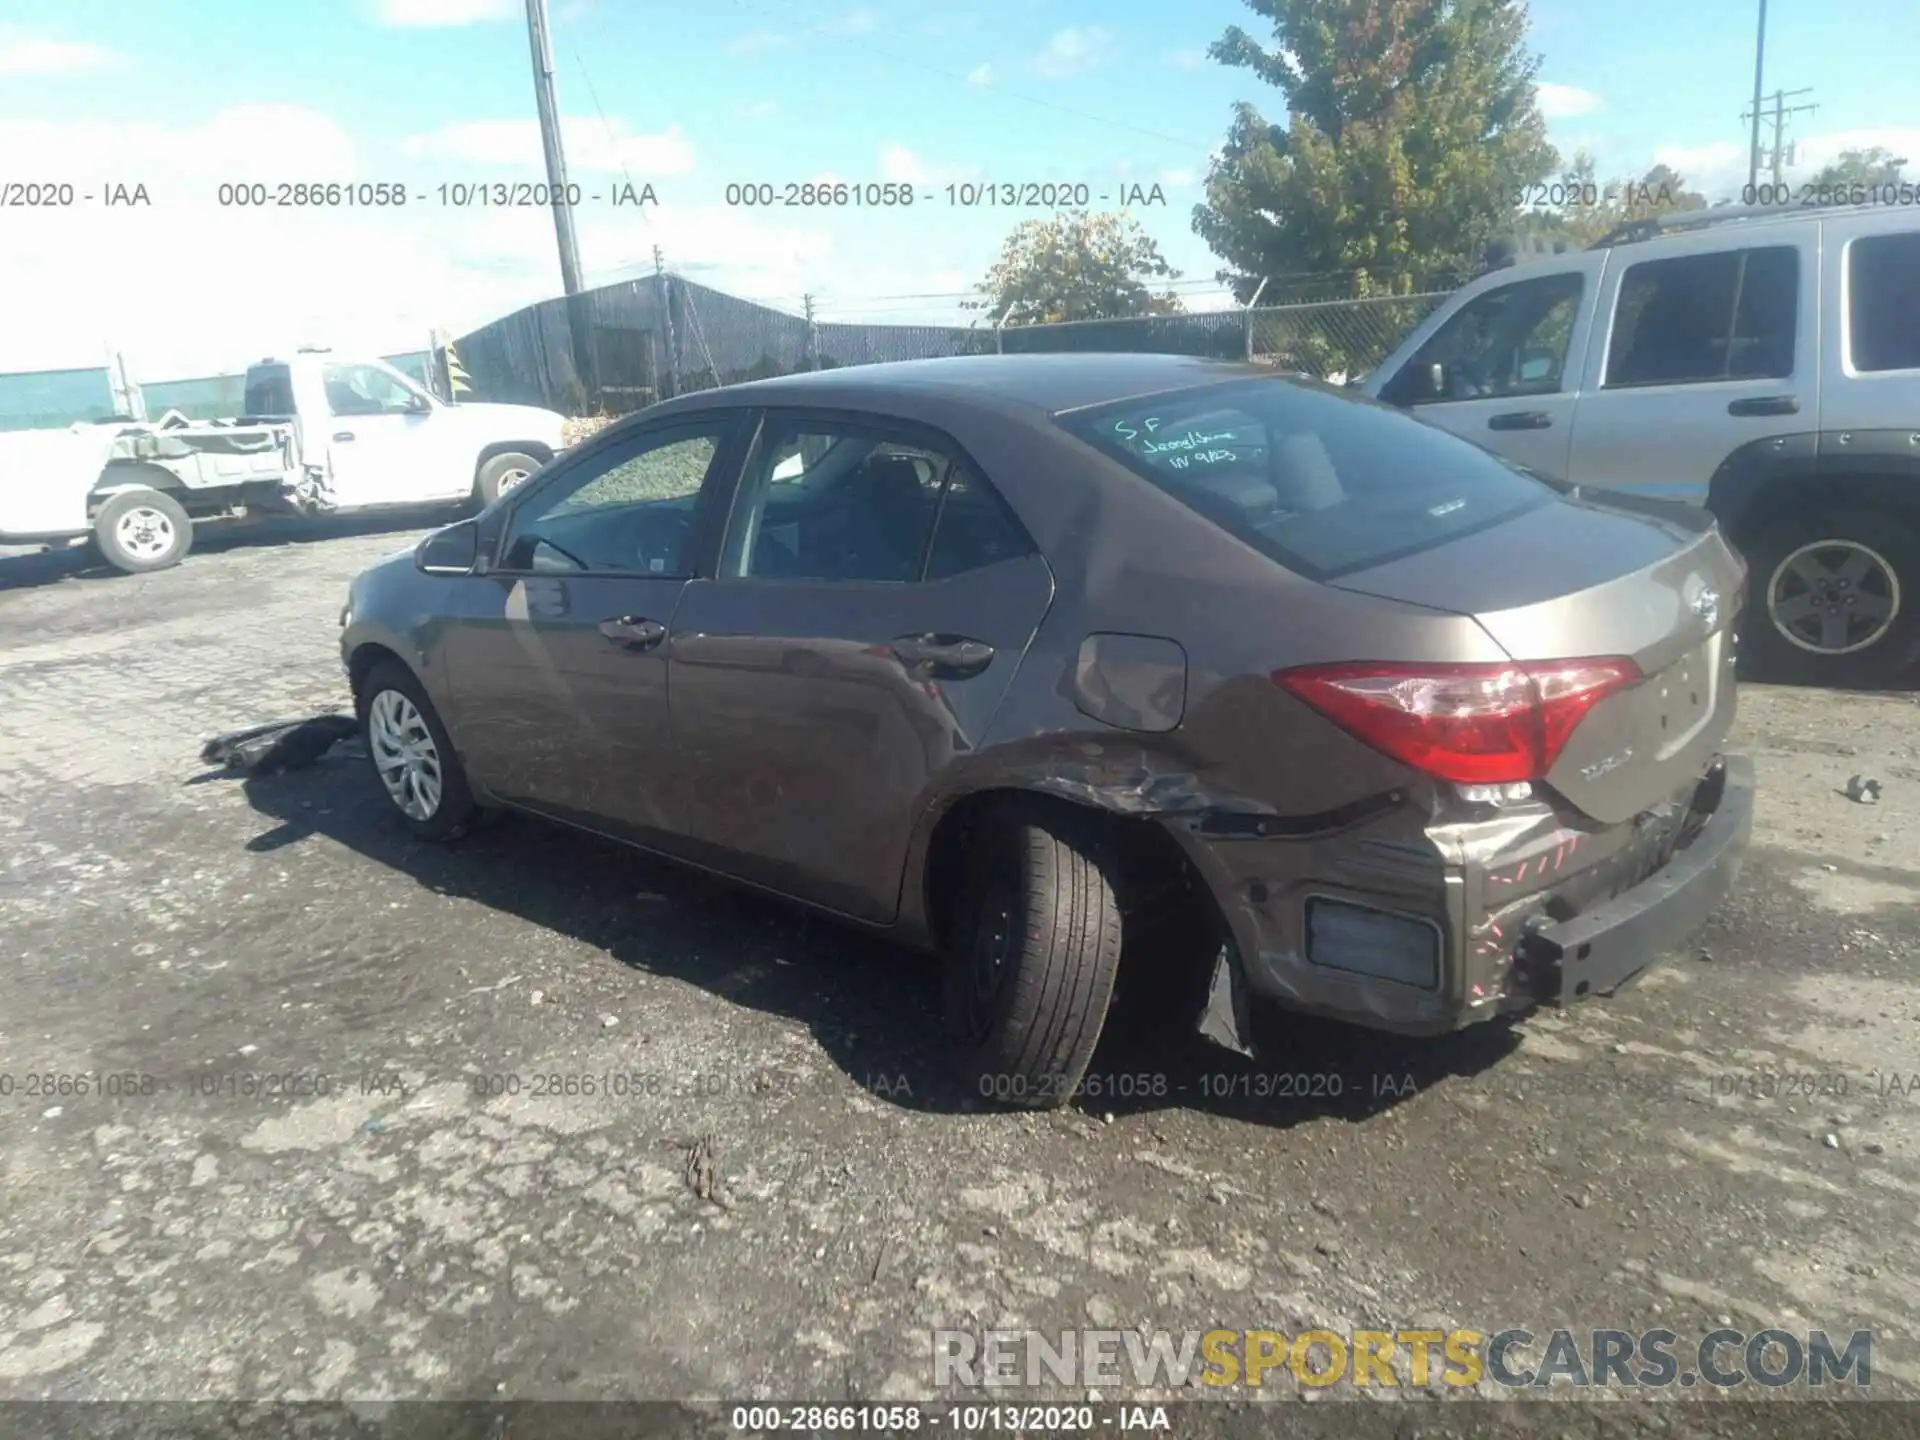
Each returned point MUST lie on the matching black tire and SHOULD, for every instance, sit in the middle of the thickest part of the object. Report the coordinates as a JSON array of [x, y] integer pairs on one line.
[[455, 811], [494, 475], [1033, 954], [1887, 543], [140, 531]]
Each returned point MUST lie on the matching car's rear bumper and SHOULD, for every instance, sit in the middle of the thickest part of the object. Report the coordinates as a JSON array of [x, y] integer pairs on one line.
[[1526, 907], [1613, 943]]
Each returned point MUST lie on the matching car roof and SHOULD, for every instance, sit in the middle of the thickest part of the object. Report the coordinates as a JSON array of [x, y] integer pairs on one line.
[[1037, 384]]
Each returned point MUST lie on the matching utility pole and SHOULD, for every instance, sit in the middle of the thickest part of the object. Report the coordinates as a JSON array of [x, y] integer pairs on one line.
[[812, 357], [550, 141], [579, 324], [1781, 112], [672, 386], [1759, 72]]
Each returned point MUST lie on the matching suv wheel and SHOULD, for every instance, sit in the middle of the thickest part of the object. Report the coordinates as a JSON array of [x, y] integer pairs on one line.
[[139, 531], [501, 474], [412, 757], [1834, 597], [1033, 953]]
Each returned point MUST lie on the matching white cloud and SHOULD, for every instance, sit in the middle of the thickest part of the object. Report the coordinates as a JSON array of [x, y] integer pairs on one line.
[[365, 279], [23, 53], [592, 146], [1560, 102], [1187, 59], [1178, 177], [1073, 51], [1816, 151], [901, 165], [854, 22], [1717, 170], [437, 14], [758, 42], [980, 75]]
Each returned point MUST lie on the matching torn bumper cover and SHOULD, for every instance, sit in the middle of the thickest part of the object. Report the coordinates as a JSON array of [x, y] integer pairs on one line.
[[1612, 943], [1406, 922]]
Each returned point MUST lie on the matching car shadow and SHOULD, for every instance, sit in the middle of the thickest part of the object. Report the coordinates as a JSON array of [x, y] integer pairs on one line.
[[871, 1004], [27, 568]]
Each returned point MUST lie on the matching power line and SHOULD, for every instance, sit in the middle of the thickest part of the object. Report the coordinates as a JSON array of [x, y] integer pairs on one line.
[[593, 94]]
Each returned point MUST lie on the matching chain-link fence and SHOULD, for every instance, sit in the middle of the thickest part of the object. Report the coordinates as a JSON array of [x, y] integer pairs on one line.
[[621, 347], [1337, 339]]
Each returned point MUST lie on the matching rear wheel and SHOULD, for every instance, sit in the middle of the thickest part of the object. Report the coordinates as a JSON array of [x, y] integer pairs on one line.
[[502, 473], [142, 530], [1033, 953], [412, 757], [1834, 596]]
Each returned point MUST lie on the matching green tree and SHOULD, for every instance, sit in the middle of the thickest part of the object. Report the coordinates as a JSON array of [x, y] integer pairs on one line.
[[1077, 266], [1594, 208], [1874, 166], [1411, 125]]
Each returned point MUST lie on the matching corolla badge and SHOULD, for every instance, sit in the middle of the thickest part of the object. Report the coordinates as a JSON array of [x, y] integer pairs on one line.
[[1593, 772]]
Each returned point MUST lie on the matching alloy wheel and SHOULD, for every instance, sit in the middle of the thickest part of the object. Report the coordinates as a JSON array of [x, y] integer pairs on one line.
[[404, 754], [1833, 597]]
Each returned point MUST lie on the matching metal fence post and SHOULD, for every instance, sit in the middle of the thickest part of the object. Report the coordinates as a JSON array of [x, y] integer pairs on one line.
[[1249, 318], [998, 325], [670, 344]]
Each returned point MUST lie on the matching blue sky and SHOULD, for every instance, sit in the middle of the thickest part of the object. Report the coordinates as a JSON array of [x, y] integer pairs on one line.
[[689, 98]]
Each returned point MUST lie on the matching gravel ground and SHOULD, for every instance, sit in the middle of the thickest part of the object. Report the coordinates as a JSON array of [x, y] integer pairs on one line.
[[783, 1197]]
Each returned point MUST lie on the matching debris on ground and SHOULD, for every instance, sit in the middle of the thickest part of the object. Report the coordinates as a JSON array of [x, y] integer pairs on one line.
[[282, 745], [1863, 790], [699, 1171]]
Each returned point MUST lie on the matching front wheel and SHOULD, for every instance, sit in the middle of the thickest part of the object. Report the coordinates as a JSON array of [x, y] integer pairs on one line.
[[1034, 952], [140, 531], [412, 757], [501, 474], [1834, 597]]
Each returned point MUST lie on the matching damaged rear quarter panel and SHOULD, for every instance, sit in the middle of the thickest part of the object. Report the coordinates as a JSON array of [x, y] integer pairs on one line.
[[1266, 797]]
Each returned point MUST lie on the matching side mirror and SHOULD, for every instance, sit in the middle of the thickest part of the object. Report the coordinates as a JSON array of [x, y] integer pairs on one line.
[[419, 405], [1436, 381], [452, 551]]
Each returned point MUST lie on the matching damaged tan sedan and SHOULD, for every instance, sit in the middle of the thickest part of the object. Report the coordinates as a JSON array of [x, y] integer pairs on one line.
[[994, 653]]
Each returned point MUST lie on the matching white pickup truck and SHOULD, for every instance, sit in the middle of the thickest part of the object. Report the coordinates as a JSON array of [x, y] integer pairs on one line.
[[321, 434]]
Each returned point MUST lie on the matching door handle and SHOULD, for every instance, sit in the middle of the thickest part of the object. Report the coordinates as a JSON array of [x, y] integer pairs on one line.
[[1766, 405], [631, 632], [1521, 420], [952, 657], [341, 435]]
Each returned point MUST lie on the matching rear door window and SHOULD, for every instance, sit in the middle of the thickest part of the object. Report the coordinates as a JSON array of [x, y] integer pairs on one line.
[[1729, 315], [1319, 482], [1883, 302]]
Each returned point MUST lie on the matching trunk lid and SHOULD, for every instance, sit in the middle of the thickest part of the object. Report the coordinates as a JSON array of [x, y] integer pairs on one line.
[[1602, 575]]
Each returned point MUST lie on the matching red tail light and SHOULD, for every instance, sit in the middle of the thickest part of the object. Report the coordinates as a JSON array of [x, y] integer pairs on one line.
[[1473, 724]]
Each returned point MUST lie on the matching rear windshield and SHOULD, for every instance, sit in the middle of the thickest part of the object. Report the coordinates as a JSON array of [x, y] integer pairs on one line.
[[269, 391], [1321, 483]]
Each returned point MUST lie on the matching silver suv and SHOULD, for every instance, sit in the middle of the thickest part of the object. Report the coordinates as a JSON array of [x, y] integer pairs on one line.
[[1763, 364]]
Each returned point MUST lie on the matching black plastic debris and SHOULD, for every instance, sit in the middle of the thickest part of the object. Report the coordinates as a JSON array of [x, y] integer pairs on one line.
[[283, 745], [1863, 790]]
